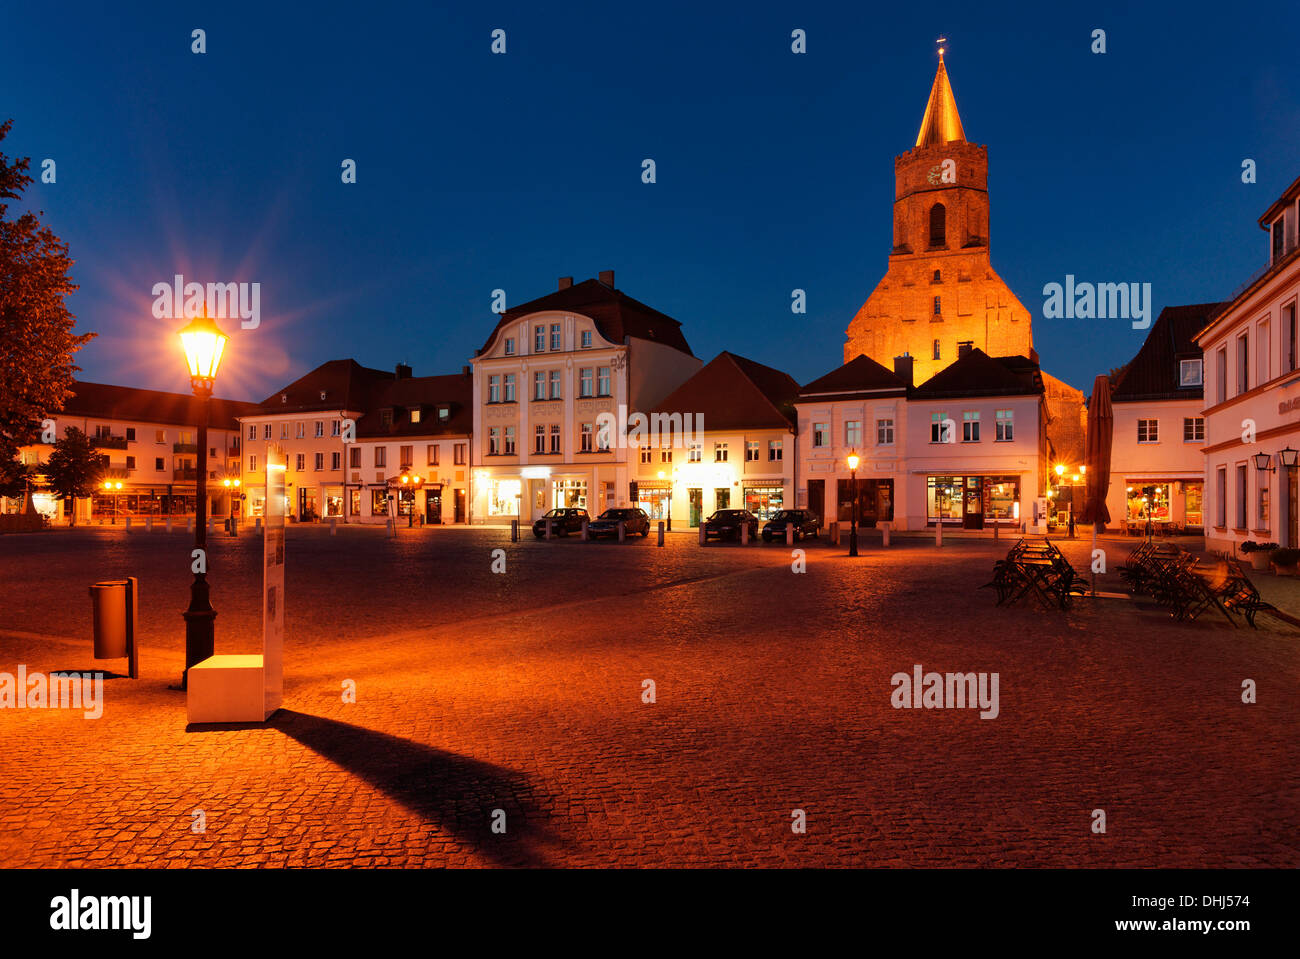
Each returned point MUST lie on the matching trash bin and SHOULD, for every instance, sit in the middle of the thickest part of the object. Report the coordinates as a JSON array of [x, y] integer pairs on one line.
[[109, 601]]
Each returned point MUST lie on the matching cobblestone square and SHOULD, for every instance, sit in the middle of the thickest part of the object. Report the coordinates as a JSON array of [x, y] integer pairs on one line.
[[522, 691]]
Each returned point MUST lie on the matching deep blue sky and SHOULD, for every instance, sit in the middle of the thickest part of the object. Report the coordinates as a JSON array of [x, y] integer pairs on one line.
[[775, 171]]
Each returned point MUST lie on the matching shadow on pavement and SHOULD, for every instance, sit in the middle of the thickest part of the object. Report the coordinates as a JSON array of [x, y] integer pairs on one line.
[[456, 793]]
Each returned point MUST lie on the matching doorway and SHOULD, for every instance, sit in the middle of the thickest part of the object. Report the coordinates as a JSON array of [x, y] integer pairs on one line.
[[972, 516], [458, 506], [306, 505], [433, 505], [696, 497], [817, 499]]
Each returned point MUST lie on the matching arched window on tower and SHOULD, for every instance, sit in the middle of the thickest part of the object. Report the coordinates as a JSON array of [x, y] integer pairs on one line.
[[938, 225], [936, 349]]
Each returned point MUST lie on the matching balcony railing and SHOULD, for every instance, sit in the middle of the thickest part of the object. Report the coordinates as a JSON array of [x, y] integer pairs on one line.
[[108, 442], [182, 474], [185, 447]]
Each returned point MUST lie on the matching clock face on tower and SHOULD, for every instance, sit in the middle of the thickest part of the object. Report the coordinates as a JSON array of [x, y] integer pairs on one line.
[[935, 176]]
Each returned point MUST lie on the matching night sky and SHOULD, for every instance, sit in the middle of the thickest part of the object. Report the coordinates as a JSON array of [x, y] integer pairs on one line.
[[477, 171]]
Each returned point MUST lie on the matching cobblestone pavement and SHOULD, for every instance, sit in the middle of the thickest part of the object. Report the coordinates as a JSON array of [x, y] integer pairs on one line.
[[522, 692]]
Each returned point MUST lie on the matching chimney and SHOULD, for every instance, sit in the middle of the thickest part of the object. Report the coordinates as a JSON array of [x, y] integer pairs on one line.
[[903, 367], [964, 347], [464, 371], [566, 282], [607, 277], [403, 371]]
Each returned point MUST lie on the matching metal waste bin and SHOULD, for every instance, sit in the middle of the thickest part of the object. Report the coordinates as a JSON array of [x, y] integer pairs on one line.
[[110, 600]]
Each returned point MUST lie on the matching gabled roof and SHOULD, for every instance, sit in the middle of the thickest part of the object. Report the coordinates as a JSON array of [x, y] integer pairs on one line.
[[616, 315], [859, 375], [455, 391], [105, 401], [1153, 373], [734, 393], [941, 123], [346, 383], [978, 374]]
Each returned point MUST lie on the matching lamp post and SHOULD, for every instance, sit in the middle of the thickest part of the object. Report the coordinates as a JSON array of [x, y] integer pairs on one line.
[[853, 521], [204, 344]]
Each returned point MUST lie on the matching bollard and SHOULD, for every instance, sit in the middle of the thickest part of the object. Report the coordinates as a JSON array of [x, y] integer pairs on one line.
[[148, 524], [938, 532], [884, 533], [209, 525], [835, 534], [995, 531], [334, 525], [514, 531], [584, 530], [702, 543], [257, 523], [548, 528], [233, 527], [661, 532], [744, 534], [189, 524], [789, 534], [392, 527], [128, 524], [622, 530], [169, 525]]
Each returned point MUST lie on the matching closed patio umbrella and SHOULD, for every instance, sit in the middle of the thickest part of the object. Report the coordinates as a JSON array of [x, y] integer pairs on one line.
[[1101, 420]]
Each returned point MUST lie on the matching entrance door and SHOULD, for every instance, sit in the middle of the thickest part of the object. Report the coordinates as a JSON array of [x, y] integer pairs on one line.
[[973, 504], [459, 507], [306, 504], [433, 505], [722, 498], [697, 505], [817, 498]]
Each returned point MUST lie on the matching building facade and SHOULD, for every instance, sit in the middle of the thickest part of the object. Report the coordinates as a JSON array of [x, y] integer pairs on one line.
[[147, 440], [1157, 471], [542, 382], [1252, 396], [735, 448]]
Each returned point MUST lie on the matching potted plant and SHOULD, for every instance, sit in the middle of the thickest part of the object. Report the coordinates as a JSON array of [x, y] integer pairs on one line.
[[1284, 561], [1259, 553]]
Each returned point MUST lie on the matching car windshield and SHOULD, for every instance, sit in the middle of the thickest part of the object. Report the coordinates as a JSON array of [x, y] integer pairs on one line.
[[784, 515], [553, 514], [616, 514]]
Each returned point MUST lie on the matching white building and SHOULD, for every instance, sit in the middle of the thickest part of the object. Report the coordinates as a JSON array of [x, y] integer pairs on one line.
[[543, 379], [1157, 469], [968, 447], [736, 448], [412, 449], [1252, 396]]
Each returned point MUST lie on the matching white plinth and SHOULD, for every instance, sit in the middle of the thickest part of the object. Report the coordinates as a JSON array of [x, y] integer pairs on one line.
[[227, 689]]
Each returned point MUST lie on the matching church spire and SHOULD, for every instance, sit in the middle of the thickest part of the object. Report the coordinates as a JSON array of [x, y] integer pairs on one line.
[[941, 124]]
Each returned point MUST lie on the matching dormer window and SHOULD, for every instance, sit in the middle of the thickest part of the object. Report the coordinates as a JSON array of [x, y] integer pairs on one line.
[[415, 414], [586, 339], [1189, 373], [1279, 238], [510, 346], [444, 413], [386, 417], [284, 397], [322, 395]]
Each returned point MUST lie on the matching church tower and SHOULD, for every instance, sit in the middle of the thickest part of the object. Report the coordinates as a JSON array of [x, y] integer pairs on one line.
[[940, 290]]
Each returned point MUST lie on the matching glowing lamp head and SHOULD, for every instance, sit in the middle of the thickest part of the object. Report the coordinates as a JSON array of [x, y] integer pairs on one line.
[[117, 486], [853, 461], [107, 485], [204, 344], [1060, 469]]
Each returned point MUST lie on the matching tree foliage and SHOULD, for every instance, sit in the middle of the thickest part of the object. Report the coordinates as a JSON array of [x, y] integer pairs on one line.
[[74, 467], [36, 330]]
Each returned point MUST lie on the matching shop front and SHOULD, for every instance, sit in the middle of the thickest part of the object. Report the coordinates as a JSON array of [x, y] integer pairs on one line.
[[764, 499], [1168, 505], [875, 500], [653, 496], [973, 501]]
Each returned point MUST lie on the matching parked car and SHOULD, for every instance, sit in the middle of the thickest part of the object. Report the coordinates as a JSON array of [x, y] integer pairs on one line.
[[564, 520], [804, 521], [635, 520], [726, 524]]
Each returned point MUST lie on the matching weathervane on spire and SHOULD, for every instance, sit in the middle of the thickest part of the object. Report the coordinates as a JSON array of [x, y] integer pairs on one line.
[[941, 41]]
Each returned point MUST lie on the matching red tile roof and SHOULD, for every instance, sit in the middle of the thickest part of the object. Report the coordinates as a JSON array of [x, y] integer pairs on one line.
[[735, 393], [106, 401], [616, 315]]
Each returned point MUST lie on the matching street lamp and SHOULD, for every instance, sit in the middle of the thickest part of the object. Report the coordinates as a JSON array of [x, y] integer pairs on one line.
[[204, 344], [853, 522], [1288, 458], [117, 500], [1263, 462]]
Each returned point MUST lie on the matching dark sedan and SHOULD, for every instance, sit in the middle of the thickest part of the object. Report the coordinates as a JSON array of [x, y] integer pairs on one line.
[[606, 524], [726, 524], [564, 521], [805, 523]]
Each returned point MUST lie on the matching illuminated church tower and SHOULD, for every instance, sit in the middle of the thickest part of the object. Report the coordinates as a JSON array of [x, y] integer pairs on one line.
[[940, 290]]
